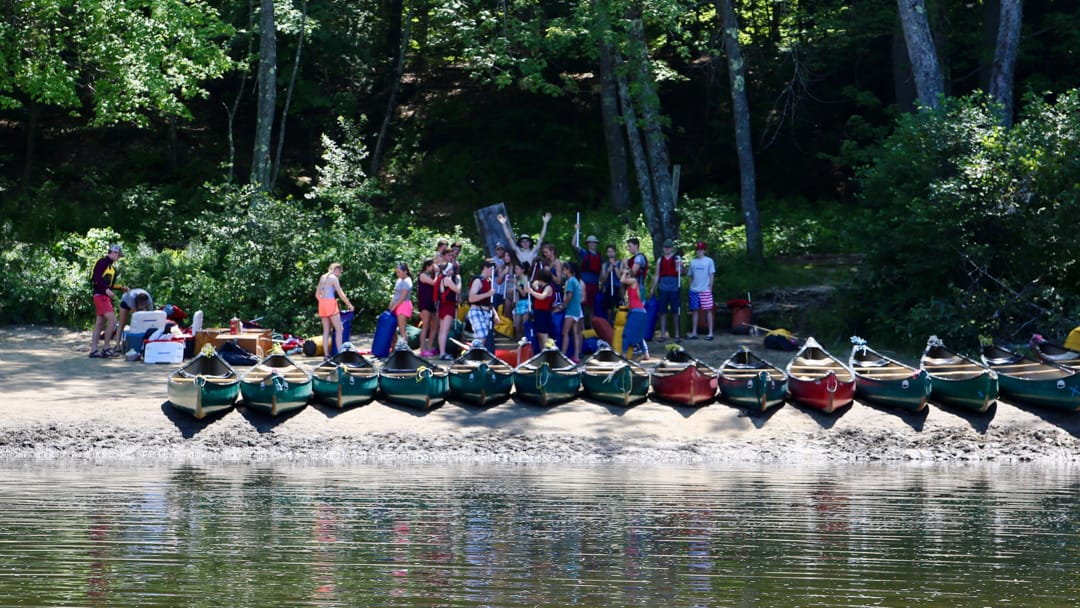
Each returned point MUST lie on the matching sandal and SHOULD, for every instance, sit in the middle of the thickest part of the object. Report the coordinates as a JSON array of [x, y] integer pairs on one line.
[[96, 355], [109, 353]]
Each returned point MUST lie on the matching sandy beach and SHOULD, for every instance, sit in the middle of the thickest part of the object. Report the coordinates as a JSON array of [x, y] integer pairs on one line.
[[56, 403]]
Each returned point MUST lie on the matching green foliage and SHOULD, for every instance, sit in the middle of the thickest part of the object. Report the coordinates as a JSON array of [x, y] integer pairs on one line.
[[972, 230]]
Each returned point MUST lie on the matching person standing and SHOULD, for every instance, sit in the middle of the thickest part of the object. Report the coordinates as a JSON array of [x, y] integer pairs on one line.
[[702, 271], [668, 269], [425, 301], [401, 301], [448, 288], [634, 330], [543, 299], [638, 266], [103, 278], [591, 265], [525, 248], [573, 314], [326, 294], [480, 315], [522, 304], [611, 286]]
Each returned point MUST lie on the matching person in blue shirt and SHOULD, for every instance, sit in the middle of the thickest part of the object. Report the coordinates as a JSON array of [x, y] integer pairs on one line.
[[573, 314]]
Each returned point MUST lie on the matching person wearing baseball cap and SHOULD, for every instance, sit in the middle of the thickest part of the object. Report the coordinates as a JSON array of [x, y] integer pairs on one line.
[[668, 272], [103, 278], [701, 271]]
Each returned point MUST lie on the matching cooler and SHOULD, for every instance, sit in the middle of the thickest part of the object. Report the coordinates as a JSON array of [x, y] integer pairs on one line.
[[164, 351]]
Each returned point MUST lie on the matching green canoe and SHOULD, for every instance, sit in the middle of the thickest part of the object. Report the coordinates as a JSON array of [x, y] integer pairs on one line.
[[748, 381], [887, 382], [408, 380], [276, 385], [205, 385], [1034, 382], [609, 377], [547, 379], [957, 380], [480, 378], [346, 379]]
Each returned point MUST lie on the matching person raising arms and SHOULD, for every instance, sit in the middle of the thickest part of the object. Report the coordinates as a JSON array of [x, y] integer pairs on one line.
[[524, 248], [326, 294]]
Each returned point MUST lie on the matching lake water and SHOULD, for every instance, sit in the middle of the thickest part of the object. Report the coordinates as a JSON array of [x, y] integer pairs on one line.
[[601, 535]]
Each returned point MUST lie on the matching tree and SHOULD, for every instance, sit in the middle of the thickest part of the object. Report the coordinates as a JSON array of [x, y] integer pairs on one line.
[[261, 165], [929, 85], [743, 146], [614, 140], [1008, 44], [111, 62]]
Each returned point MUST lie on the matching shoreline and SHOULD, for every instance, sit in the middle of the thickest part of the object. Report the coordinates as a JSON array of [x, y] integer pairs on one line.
[[59, 405]]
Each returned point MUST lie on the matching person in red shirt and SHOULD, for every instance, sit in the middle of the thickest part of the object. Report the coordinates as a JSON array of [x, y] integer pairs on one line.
[[104, 283]]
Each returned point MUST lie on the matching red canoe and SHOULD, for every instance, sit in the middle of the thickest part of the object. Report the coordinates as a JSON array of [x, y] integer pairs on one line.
[[819, 380], [604, 330], [683, 380]]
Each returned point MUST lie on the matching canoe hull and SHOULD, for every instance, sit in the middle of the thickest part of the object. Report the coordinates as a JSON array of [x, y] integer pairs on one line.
[[827, 394], [690, 387], [1038, 383], [276, 396], [546, 387], [621, 387], [481, 385], [201, 401], [345, 389], [910, 394], [757, 394], [421, 390], [958, 381]]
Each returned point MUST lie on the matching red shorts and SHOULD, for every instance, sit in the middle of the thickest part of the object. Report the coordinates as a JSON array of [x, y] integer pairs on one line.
[[103, 305], [590, 293], [447, 309]]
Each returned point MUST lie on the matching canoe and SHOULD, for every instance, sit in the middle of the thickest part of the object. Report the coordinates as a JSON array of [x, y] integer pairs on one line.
[[748, 381], [819, 380], [205, 385], [609, 377], [547, 379], [888, 382], [1034, 382], [344, 380], [480, 378], [406, 379], [276, 384], [1050, 352], [957, 380], [681, 379]]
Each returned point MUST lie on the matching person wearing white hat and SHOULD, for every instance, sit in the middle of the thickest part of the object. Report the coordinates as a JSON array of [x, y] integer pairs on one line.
[[591, 265]]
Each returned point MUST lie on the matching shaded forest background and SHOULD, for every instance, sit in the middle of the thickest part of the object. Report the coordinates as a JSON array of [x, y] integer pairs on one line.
[[236, 165]]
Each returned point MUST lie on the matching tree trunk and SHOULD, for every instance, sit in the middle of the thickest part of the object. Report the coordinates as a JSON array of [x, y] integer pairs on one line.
[[988, 41], [391, 103], [648, 108], [743, 144], [1008, 42], [637, 150], [267, 101], [929, 85], [614, 141], [288, 96], [903, 81]]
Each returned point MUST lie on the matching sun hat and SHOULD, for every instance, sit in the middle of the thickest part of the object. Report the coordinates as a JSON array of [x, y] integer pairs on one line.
[[592, 239]]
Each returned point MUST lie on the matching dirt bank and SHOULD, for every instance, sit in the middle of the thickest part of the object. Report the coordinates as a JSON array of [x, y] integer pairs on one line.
[[57, 403]]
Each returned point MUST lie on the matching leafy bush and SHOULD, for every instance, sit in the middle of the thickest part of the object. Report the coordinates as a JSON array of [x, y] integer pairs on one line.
[[972, 223]]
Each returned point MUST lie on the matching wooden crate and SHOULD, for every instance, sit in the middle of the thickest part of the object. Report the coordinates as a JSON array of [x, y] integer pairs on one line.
[[258, 342]]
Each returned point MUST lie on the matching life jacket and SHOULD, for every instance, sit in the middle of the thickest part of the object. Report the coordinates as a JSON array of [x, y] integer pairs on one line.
[[485, 286], [544, 303], [446, 295], [644, 271], [591, 262], [667, 267]]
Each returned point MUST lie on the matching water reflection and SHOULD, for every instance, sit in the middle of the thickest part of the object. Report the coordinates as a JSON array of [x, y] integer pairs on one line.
[[538, 536]]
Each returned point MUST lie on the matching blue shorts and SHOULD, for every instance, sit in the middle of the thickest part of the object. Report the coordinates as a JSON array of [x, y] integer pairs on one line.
[[542, 322], [667, 301]]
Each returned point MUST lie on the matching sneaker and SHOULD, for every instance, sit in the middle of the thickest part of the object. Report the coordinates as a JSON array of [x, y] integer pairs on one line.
[[691, 337], [709, 337], [661, 339], [446, 358]]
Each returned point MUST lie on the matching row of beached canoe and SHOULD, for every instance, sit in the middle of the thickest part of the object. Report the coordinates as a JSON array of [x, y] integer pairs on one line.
[[813, 378]]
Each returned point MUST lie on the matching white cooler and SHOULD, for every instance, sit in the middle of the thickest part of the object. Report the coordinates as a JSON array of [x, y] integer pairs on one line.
[[164, 351]]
